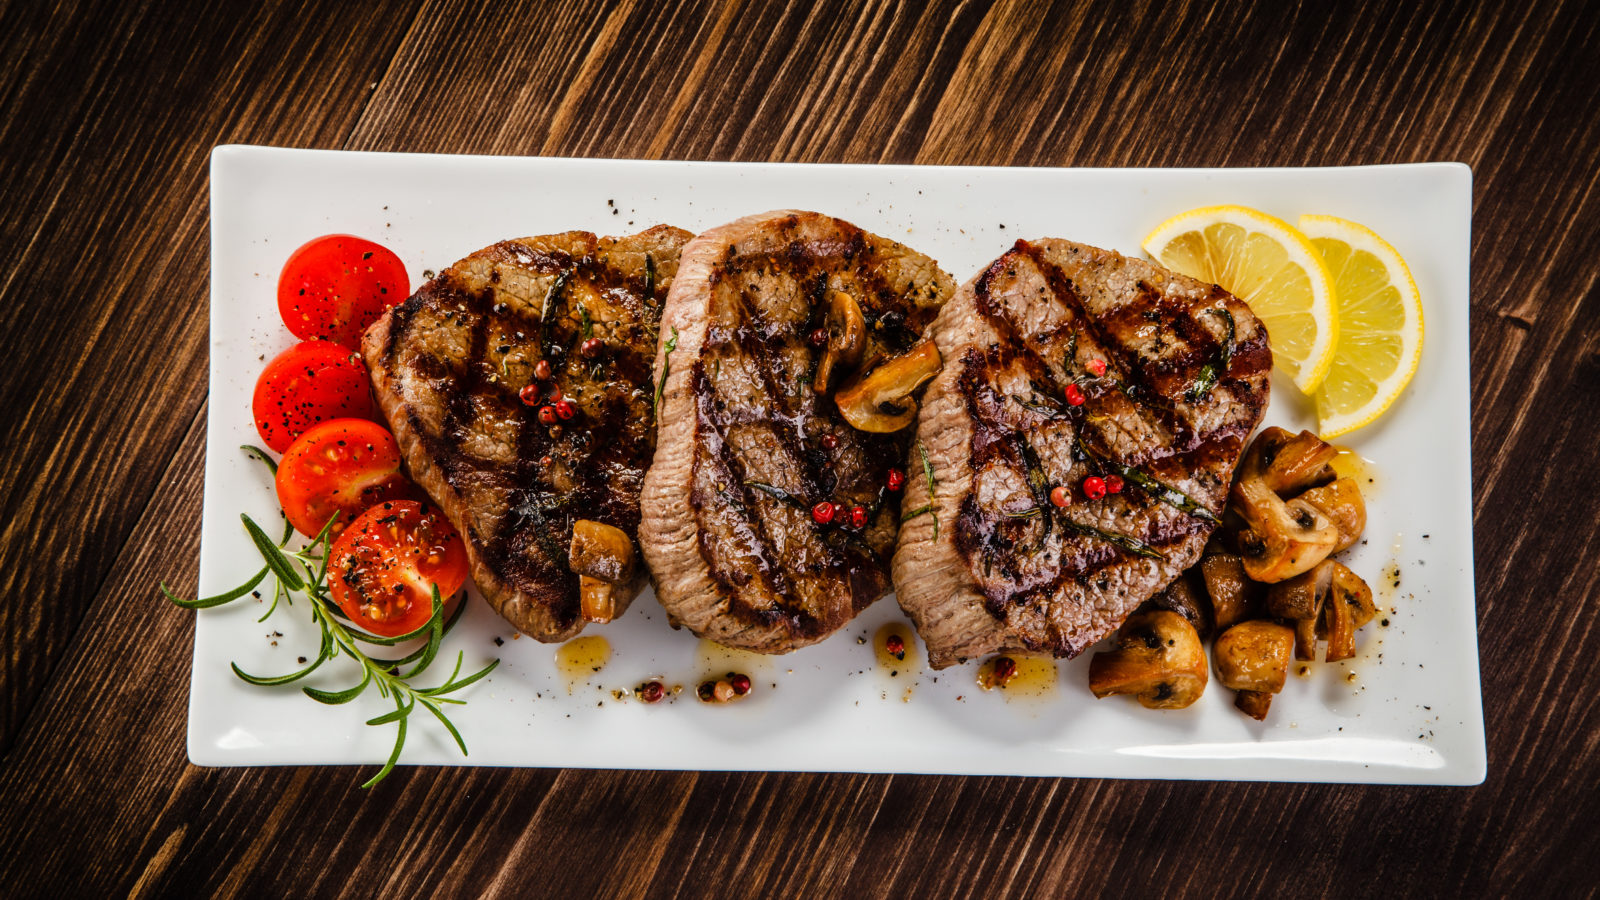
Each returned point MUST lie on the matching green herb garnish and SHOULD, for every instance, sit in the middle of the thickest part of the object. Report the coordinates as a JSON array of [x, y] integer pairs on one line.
[[1163, 492], [666, 367], [304, 571], [1132, 545], [1210, 372], [927, 471]]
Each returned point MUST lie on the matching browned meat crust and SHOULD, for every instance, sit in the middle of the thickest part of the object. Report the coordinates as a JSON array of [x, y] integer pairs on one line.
[[447, 366], [743, 451], [995, 565]]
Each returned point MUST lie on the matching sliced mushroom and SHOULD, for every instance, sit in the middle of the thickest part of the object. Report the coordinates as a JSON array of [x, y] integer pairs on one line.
[[1341, 502], [1158, 658], [1283, 539], [882, 401], [1254, 704], [1288, 463], [1232, 594], [602, 557], [1302, 598], [1254, 656], [847, 339], [1348, 608], [1181, 597]]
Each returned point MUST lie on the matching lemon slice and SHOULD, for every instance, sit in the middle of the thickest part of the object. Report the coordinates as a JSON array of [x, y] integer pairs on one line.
[[1380, 324], [1269, 265]]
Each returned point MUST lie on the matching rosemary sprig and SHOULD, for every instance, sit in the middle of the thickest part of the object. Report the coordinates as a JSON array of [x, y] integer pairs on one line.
[[1211, 371], [649, 278], [304, 571], [1159, 490], [776, 493], [666, 367], [927, 471], [1130, 544]]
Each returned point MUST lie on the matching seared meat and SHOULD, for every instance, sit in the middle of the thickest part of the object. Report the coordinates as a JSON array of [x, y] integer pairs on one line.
[[995, 565], [447, 367], [747, 446]]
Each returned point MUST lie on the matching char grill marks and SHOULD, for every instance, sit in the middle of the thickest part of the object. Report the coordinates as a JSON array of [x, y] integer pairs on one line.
[[455, 358], [769, 448], [1024, 554]]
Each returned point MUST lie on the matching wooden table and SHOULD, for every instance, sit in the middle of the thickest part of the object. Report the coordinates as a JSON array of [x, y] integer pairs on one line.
[[110, 111]]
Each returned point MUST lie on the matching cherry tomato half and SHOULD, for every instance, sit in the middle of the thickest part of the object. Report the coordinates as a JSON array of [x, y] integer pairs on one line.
[[383, 567], [339, 468], [333, 287], [311, 382]]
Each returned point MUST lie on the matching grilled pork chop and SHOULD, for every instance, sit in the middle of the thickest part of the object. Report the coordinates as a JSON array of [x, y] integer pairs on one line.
[[747, 445], [449, 367], [995, 565]]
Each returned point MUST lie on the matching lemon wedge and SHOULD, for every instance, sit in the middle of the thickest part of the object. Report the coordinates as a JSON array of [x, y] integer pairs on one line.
[[1268, 264], [1380, 324]]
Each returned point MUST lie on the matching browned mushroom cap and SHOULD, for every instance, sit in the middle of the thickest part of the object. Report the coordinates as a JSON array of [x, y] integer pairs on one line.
[[1341, 502], [882, 401], [847, 339], [602, 557], [1253, 703], [1349, 607], [1254, 656], [1283, 539], [1182, 598], [1232, 594], [1301, 598], [1158, 658], [1288, 463]]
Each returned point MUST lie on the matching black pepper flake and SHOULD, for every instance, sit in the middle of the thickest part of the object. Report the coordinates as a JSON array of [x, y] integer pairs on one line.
[[499, 642], [302, 659]]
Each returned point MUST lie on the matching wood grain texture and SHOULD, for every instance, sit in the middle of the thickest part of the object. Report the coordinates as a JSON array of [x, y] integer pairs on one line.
[[111, 109]]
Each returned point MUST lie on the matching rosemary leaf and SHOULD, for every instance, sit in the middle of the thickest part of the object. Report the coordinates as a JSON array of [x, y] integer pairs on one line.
[[777, 493], [1130, 544], [334, 698], [445, 721], [666, 367], [258, 453], [649, 278], [399, 741], [278, 679], [1029, 513], [219, 599], [451, 687], [399, 712], [435, 635], [275, 559]]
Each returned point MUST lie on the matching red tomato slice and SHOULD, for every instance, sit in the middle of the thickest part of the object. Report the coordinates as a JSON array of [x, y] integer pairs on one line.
[[339, 468], [332, 288], [311, 382], [383, 567]]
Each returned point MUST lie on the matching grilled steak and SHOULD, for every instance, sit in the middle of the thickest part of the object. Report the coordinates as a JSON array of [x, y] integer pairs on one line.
[[447, 367], [747, 446], [995, 565]]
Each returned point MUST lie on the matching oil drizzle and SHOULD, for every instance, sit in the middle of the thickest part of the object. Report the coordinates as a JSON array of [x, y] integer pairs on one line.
[[581, 658], [902, 667], [1350, 464], [1034, 679]]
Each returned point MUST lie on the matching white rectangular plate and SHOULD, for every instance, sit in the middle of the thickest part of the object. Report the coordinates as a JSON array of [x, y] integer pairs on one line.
[[1406, 710]]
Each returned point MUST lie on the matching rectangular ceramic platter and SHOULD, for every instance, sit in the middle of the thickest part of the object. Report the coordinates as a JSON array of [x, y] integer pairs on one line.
[[1407, 709]]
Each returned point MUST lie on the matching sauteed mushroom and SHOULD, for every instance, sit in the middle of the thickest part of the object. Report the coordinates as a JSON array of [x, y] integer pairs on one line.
[[1288, 463], [847, 338], [602, 557], [881, 401], [1301, 598], [1158, 658], [1349, 606], [1283, 539], [1181, 597], [1341, 502], [1231, 592], [1253, 659]]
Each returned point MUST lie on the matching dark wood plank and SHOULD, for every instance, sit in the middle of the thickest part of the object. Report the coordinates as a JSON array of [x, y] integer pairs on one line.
[[111, 113], [100, 760]]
